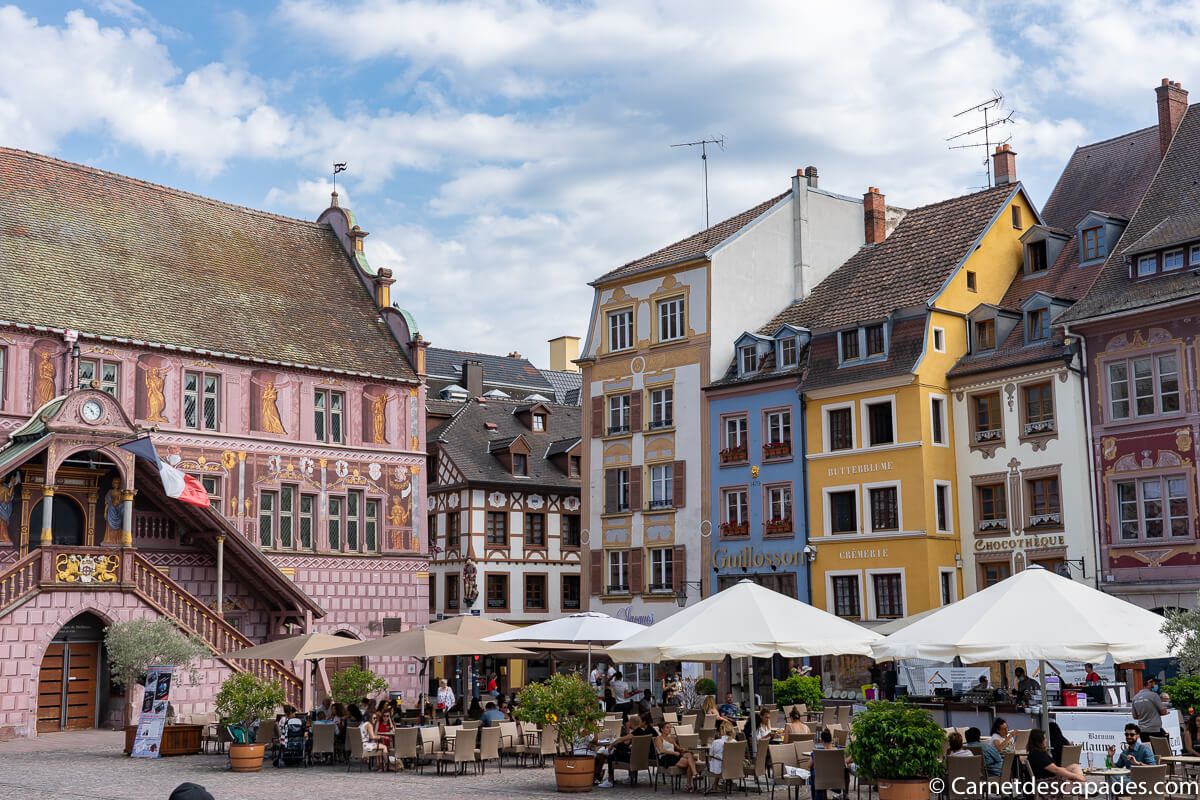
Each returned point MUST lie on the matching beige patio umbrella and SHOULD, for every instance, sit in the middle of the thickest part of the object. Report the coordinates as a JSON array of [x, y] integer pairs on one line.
[[294, 648], [471, 626], [425, 643]]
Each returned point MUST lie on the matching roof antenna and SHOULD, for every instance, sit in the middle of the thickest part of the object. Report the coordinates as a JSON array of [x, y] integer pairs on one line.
[[994, 103], [338, 166], [704, 143]]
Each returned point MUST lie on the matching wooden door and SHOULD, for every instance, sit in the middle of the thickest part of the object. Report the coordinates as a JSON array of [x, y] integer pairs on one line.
[[67, 687]]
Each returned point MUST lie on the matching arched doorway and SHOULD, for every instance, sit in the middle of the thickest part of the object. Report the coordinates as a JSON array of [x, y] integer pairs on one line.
[[67, 521], [69, 678], [339, 663]]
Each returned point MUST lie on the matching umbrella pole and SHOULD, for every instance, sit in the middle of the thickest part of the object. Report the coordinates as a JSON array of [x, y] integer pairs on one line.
[[1045, 699], [589, 672], [753, 719]]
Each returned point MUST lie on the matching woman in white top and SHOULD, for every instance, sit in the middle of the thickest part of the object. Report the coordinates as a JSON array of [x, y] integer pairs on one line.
[[445, 698], [716, 750], [670, 754], [373, 744]]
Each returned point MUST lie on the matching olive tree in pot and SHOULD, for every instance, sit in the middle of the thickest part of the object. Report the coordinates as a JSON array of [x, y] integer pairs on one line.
[[899, 747], [244, 698], [566, 707]]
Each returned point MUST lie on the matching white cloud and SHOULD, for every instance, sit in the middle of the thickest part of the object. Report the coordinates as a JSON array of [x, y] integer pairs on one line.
[[306, 199]]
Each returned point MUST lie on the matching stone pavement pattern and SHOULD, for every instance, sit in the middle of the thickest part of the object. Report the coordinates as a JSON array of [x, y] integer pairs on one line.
[[90, 765]]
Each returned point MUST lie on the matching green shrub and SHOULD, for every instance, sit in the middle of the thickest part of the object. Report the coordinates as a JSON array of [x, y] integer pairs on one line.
[[804, 689], [354, 683], [245, 697], [896, 741], [565, 701], [1184, 691], [706, 686]]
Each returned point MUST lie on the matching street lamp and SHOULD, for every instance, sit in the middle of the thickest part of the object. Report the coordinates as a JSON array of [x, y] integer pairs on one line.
[[681, 595]]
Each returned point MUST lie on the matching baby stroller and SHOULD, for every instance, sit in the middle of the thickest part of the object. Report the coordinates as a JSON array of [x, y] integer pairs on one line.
[[292, 747]]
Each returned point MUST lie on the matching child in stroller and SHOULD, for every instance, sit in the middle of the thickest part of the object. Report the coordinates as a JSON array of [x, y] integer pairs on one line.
[[292, 748]]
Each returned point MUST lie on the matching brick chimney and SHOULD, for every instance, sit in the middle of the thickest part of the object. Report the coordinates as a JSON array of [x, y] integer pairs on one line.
[[874, 216], [472, 377], [1172, 104], [1004, 165], [810, 173]]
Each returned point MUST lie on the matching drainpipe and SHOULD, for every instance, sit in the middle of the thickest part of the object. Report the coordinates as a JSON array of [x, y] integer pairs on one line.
[[1094, 495]]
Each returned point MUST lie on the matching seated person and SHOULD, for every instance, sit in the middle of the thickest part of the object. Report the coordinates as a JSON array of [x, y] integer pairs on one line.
[[1003, 738], [1135, 753], [1191, 736], [957, 747], [728, 709], [492, 715], [796, 723], [374, 744], [993, 759], [716, 751], [760, 724], [671, 754], [824, 742], [971, 740], [641, 725], [1042, 763]]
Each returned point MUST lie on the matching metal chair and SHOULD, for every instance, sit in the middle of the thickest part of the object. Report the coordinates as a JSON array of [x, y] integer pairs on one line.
[[758, 769], [1071, 753], [829, 716], [671, 717], [460, 750], [1160, 746], [472, 723], [1146, 783], [733, 767], [784, 755], [510, 739], [843, 716]]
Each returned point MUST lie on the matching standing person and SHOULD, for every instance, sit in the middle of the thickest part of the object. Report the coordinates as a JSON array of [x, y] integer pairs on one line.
[[1148, 710], [1092, 676], [621, 692], [445, 699], [493, 685], [1026, 685]]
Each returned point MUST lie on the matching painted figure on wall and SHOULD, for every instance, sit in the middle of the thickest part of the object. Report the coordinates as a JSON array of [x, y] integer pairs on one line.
[[114, 513], [156, 397], [44, 387], [6, 508], [400, 513], [271, 423], [379, 419]]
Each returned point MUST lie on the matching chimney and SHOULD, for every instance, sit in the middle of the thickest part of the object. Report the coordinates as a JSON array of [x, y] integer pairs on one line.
[[874, 216], [472, 378], [515, 354], [383, 287], [1172, 104], [416, 349], [564, 350], [810, 174], [1004, 165]]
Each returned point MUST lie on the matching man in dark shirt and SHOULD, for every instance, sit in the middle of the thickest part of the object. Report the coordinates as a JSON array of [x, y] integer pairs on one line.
[[1026, 685]]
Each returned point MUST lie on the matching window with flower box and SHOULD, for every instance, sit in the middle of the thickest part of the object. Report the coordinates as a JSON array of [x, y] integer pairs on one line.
[[779, 510], [736, 516]]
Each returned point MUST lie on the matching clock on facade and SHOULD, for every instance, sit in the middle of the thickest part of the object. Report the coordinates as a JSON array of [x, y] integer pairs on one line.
[[91, 411]]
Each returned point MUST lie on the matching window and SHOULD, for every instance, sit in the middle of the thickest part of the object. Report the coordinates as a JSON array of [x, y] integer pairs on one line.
[[948, 588], [662, 480], [1044, 508], [1155, 388], [1153, 508], [212, 487], [496, 592], [1093, 243], [1146, 265], [1038, 403], [989, 424], [618, 413], [618, 571], [879, 424], [328, 416], [789, 353], [1035, 257], [1037, 324], [353, 509], [993, 514], [333, 525], [748, 358], [662, 574], [535, 530], [779, 434], [841, 428], [620, 330], [875, 340], [539, 422], [985, 334], [779, 509], [520, 464], [307, 502], [1016, 217], [889, 593], [735, 434], [453, 530], [451, 592], [670, 319], [939, 340], [662, 408], [843, 512], [937, 419], [571, 529], [570, 593], [971, 281], [994, 572], [535, 593], [103, 375], [266, 519], [1194, 255], [574, 466], [941, 501], [885, 508], [431, 526], [1172, 260], [845, 596], [433, 606], [3, 375], [497, 528], [201, 400], [849, 341], [737, 513], [616, 483]]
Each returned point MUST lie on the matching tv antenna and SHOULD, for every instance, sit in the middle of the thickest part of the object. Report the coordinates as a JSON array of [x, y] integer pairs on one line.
[[993, 105], [703, 144]]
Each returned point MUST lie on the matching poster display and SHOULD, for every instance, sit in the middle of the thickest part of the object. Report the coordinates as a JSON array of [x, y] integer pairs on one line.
[[960, 679], [1073, 672], [157, 697], [1096, 731]]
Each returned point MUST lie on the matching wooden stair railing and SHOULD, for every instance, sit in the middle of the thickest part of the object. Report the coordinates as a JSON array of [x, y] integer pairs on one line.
[[20, 582]]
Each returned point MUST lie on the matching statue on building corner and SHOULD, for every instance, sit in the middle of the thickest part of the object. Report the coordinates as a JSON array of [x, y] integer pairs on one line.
[[156, 398], [114, 513], [379, 419], [44, 388], [6, 508], [271, 423]]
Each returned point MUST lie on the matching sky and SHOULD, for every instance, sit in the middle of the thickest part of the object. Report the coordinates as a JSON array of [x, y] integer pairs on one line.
[[503, 154]]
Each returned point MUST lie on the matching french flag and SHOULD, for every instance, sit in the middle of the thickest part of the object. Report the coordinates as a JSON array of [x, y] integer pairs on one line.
[[176, 483]]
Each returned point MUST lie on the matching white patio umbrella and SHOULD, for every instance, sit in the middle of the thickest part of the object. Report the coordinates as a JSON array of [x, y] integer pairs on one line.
[[1034, 615], [588, 627], [746, 620]]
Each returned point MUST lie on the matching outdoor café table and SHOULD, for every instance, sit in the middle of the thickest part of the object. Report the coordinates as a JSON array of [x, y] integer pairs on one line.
[[1108, 772], [1183, 761]]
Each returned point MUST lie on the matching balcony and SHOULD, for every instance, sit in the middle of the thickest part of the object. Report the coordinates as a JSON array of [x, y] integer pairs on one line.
[[656, 424], [618, 588], [1040, 427], [661, 588], [1045, 520], [735, 528], [777, 450], [776, 526], [992, 435], [986, 525], [662, 503], [734, 455], [617, 430]]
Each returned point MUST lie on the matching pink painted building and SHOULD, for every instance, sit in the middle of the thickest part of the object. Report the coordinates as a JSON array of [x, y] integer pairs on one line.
[[263, 355]]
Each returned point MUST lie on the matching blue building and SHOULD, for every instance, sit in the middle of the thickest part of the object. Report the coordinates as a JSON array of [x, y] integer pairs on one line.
[[756, 454]]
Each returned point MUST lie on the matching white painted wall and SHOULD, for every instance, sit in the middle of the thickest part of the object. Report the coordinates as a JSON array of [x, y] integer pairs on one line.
[[695, 279]]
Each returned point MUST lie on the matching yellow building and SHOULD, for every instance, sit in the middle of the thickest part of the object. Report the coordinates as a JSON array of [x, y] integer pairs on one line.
[[887, 326]]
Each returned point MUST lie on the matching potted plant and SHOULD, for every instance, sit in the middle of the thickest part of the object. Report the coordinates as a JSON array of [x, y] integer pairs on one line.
[[795, 689], [138, 644], [569, 704], [354, 683], [899, 747], [244, 698]]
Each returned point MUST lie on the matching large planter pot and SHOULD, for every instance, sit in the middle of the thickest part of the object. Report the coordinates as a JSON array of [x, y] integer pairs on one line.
[[246, 757], [574, 773], [891, 789]]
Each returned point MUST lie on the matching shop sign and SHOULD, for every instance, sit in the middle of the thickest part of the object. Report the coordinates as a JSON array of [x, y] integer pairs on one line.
[[960, 679], [1098, 730], [1019, 543], [749, 558], [626, 613], [859, 469], [863, 552]]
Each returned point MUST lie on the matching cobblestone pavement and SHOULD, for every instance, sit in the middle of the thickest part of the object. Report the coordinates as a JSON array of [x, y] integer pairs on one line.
[[90, 765]]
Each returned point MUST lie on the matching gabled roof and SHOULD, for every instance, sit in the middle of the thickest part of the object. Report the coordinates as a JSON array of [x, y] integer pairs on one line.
[[1173, 200], [442, 365], [694, 246], [567, 385], [907, 269], [905, 344], [114, 256], [1175, 229], [563, 446]]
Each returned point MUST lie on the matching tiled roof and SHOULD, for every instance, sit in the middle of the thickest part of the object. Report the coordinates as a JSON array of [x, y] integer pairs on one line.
[[446, 365], [694, 246], [1173, 198], [905, 270], [567, 385], [110, 255], [562, 445], [904, 348], [1012, 352], [1175, 229], [465, 440], [441, 408]]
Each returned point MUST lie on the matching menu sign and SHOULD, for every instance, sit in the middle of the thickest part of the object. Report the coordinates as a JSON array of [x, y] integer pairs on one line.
[[157, 697]]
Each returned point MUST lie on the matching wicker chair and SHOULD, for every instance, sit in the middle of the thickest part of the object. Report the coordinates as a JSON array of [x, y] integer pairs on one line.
[[357, 756], [639, 758], [489, 748], [406, 747]]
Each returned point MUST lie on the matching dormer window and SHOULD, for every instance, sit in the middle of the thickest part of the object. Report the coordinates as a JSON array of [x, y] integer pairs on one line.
[[1035, 257], [875, 342], [1194, 255], [985, 334], [539, 422], [1146, 265], [520, 464], [1037, 322], [788, 353], [849, 345], [1172, 260], [1093, 243], [869, 341], [748, 359]]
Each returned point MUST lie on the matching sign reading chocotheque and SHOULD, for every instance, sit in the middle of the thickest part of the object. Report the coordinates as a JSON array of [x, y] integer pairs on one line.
[[1020, 543]]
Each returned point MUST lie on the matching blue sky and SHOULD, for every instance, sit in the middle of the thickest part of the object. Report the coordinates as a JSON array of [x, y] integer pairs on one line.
[[502, 154]]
